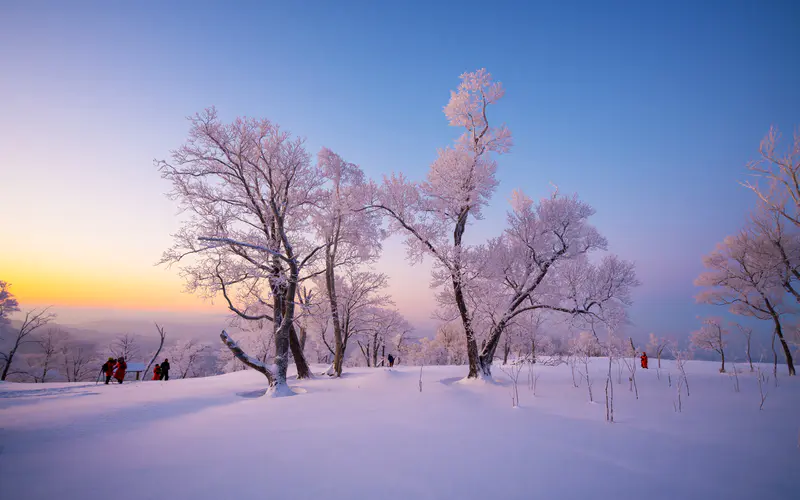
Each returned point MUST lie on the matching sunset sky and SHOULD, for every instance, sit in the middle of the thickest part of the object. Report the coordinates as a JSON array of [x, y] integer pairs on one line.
[[651, 117]]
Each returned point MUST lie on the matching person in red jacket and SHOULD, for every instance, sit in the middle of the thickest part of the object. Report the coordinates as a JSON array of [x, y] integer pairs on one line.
[[157, 373], [644, 360], [108, 369], [119, 374]]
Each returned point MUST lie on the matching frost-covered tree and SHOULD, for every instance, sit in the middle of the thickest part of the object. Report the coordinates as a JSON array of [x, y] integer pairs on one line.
[[447, 347], [781, 171], [742, 276], [352, 236], [434, 214], [185, 357], [8, 303], [250, 189], [32, 321], [359, 294], [381, 325], [541, 263], [711, 337], [778, 248]]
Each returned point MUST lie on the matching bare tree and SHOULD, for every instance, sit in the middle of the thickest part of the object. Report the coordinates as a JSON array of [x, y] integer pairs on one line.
[[735, 378], [763, 386], [657, 345], [747, 333], [609, 392], [582, 348], [125, 346], [78, 362], [681, 356], [512, 371], [163, 335], [631, 363], [50, 344], [34, 320]]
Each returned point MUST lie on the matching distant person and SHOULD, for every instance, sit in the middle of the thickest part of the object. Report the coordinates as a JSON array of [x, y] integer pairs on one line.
[[108, 369], [644, 360], [391, 360], [165, 369], [119, 372], [157, 373]]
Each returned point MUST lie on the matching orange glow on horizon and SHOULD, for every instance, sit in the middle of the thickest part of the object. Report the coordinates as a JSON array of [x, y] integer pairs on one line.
[[156, 290]]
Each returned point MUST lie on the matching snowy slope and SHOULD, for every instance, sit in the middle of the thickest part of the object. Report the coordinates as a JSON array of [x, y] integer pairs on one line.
[[372, 434]]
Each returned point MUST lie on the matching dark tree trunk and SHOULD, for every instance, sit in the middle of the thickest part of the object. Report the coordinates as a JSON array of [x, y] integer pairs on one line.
[[472, 344], [303, 371], [458, 292], [9, 358], [330, 283], [779, 331]]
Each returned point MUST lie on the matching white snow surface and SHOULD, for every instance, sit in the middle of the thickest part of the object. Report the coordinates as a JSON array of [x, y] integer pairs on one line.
[[372, 434]]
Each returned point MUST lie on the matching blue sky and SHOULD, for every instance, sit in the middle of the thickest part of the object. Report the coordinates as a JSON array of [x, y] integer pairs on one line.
[[648, 111]]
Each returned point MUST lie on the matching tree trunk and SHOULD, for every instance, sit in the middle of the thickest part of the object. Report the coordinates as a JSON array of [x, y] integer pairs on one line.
[[375, 349], [506, 350], [472, 344], [788, 354], [490, 347], [330, 283], [722, 353], [779, 331], [9, 358], [774, 359], [458, 292], [303, 371], [284, 292]]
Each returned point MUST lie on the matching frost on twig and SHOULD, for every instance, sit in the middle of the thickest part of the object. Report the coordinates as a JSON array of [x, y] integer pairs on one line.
[[763, 386], [735, 378], [513, 370]]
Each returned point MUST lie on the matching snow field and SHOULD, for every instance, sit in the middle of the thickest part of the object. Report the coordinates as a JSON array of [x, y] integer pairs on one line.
[[373, 434]]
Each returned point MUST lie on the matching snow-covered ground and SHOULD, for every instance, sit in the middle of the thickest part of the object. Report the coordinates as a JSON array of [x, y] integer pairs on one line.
[[373, 434]]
